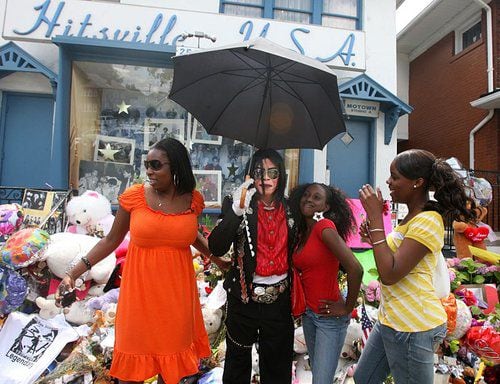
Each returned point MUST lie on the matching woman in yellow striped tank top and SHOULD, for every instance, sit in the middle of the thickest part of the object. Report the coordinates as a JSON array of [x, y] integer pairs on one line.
[[411, 321]]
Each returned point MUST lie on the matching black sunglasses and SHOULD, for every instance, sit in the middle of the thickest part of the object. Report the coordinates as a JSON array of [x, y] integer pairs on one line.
[[155, 165], [260, 173]]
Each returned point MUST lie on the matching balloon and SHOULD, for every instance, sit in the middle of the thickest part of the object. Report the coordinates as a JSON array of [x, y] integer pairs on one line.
[[24, 247], [485, 342], [481, 189], [13, 290], [463, 323], [11, 218]]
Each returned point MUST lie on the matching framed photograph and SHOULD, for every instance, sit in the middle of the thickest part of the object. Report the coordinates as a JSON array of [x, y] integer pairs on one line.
[[200, 135], [114, 149], [157, 129], [108, 178], [209, 183], [39, 204]]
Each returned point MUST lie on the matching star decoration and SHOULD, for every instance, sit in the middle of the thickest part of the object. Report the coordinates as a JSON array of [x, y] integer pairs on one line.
[[318, 216], [123, 107], [109, 153], [232, 170]]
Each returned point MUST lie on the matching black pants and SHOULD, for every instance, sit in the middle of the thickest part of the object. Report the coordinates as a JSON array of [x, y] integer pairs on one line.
[[271, 325]]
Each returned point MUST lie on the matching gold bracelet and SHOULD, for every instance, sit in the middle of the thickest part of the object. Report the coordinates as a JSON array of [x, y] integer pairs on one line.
[[378, 242], [376, 230]]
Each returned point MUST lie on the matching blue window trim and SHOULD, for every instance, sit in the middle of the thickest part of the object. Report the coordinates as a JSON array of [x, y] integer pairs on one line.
[[316, 13]]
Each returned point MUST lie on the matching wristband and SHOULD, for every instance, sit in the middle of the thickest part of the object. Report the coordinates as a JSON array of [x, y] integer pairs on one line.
[[376, 230], [86, 261]]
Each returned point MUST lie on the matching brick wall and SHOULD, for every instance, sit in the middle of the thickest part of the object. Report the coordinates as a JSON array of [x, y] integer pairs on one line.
[[442, 85]]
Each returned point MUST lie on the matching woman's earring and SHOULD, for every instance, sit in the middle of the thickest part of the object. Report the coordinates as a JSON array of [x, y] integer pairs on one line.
[[175, 179], [414, 186], [318, 216]]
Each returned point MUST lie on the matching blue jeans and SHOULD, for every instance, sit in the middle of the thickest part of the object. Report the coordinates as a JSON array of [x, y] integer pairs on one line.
[[408, 356], [324, 339]]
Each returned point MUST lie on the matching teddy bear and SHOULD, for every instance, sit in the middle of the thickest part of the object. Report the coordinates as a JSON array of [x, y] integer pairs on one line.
[[213, 320], [11, 218], [90, 214], [255, 363], [299, 341], [303, 371], [105, 301], [65, 249], [77, 313], [470, 233], [353, 336]]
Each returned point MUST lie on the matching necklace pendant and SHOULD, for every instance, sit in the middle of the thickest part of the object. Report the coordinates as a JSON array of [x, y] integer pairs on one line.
[[159, 204], [266, 208]]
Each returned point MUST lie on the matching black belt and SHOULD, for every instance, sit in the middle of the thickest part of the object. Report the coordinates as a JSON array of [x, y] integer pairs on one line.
[[268, 293]]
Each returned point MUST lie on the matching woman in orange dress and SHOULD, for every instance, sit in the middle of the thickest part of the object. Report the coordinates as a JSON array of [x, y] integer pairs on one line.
[[159, 325]]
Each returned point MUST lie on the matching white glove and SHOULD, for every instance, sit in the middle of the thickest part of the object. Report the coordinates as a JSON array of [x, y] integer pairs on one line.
[[237, 197]]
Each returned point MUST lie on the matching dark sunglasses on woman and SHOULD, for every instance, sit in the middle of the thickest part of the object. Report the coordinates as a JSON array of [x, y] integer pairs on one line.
[[155, 165]]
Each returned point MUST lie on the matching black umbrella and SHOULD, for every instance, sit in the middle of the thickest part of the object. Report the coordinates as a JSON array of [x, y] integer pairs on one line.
[[260, 93]]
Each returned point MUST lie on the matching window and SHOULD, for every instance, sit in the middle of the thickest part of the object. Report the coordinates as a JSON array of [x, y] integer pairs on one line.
[[340, 14], [331, 13], [468, 35], [250, 8], [299, 11], [472, 35]]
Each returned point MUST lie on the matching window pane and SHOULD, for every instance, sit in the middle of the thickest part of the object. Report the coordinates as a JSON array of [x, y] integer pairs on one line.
[[338, 22], [117, 112], [472, 35], [303, 18], [304, 5], [259, 3], [241, 10], [342, 7]]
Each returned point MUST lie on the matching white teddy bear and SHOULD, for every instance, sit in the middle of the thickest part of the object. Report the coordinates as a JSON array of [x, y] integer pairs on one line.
[[213, 320], [65, 249], [90, 214], [76, 313], [354, 335]]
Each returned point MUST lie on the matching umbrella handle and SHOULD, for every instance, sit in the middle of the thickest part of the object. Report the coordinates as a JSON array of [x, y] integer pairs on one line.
[[244, 194]]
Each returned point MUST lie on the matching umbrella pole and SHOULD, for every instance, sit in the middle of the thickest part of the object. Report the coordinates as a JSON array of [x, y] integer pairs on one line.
[[244, 190]]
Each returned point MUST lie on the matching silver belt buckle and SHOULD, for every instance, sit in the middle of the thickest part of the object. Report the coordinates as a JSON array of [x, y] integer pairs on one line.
[[259, 291]]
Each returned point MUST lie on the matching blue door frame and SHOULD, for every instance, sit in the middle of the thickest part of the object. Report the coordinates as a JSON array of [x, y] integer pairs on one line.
[[26, 139]]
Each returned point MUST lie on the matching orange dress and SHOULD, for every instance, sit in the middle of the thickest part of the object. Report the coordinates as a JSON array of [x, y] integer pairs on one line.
[[159, 325]]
